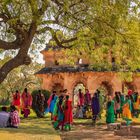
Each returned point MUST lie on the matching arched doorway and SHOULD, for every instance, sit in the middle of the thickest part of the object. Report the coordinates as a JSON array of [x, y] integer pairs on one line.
[[128, 85], [106, 88], [76, 91], [57, 87]]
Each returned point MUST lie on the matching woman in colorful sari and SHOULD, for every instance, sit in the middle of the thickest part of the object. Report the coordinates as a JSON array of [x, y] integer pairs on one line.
[[95, 107], [52, 105], [60, 110], [40, 101], [122, 98], [55, 114], [117, 101], [49, 102], [110, 115], [81, 98], [127, 116], [87, 99], [68, 119], [26, 102], [16, 100]]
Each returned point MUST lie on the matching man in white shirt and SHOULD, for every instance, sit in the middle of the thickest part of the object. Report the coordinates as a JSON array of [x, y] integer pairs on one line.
[[4, 117]]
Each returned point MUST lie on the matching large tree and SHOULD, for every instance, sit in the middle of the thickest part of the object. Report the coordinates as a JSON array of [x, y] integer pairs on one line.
[[94, 22], [23, 75]]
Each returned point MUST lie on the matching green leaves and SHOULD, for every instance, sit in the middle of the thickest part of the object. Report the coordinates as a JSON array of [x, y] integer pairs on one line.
[[102, 30]]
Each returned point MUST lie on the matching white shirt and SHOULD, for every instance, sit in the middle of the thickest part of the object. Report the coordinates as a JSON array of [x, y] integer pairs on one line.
[[4, 117], [80, 61]]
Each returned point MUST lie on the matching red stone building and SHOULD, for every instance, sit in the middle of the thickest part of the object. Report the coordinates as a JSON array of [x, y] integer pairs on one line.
[[58, 77]]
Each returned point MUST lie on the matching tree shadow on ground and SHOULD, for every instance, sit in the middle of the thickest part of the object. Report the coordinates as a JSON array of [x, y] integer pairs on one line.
[[35, 126]]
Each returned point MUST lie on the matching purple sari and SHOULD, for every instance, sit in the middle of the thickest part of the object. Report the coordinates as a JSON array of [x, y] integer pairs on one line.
[[95, 105]]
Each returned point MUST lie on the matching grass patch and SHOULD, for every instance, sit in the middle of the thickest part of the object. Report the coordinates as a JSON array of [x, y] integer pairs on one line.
[[31, 128]]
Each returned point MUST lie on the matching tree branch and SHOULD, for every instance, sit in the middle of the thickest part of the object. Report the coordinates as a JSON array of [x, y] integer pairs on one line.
[[69, 40], [9, 45], [20, 59], [59, 43]]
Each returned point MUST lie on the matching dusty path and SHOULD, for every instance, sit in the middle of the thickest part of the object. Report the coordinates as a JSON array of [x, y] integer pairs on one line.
[[86, 132]]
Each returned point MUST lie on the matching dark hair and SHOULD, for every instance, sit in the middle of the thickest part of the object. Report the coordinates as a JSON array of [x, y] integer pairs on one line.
[[116, 93], [80, 90], [67, 97], [25, 90], [53, 96], [127, 96], [117, 97], [16, 95], [4, 108], [54, 91], [61, 97], [108, 104], [61, 91], [119, 93], [98, 91], [96, 94], [12, 108], [65, 90], [131, 98], [136, 93], [60, 101]]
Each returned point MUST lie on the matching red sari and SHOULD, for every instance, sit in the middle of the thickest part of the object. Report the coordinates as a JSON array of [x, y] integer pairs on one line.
[[81, 99], [26, 100], [16, 99], [68, 119]]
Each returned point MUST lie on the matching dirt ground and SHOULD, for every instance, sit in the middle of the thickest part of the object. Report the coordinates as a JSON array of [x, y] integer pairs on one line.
[[88, 132]]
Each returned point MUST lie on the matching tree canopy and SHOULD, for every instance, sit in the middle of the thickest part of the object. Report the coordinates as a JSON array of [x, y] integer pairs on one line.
[[95, 28]]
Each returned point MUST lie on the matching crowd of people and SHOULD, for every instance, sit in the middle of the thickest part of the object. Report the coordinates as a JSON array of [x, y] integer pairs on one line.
[[116, 106], [19, 103], [60, 106]]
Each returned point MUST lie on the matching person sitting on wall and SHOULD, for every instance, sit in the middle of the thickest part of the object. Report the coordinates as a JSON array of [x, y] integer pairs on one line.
[[4, 117]]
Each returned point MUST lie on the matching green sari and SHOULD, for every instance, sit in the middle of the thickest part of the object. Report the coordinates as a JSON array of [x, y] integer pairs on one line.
[[110, 116]]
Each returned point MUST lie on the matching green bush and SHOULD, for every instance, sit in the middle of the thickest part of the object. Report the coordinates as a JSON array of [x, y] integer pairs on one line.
[[46, 94]]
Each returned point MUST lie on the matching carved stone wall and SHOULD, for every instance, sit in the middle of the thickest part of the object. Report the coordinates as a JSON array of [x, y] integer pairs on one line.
[[91, 80]]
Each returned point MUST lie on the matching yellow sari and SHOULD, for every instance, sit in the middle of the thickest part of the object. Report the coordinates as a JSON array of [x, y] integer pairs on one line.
[[126, 111]]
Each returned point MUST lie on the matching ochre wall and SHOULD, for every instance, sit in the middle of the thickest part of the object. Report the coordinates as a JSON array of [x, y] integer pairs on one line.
[[91, 80]]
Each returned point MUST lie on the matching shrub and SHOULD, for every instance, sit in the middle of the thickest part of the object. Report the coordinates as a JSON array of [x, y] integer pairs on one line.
[[46, 94]]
